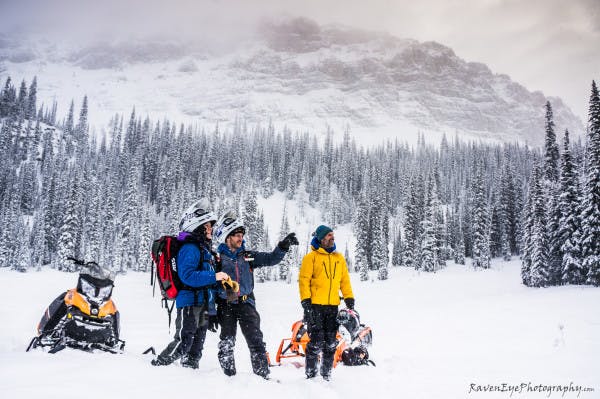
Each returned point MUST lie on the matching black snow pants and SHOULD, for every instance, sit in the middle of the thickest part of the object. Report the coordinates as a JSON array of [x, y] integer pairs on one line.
[[245, 313], [322, 329], [190, 333]]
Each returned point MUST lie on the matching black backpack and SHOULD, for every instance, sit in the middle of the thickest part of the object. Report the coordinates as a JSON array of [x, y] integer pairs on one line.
[[356, 357]]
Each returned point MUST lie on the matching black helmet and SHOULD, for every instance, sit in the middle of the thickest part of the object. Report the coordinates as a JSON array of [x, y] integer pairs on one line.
[[350, 320]]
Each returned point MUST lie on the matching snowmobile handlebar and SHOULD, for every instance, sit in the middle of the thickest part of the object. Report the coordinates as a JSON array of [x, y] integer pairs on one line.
[[82, 262]]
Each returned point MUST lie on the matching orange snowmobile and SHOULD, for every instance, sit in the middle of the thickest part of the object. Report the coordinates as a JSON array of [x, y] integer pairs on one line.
[[84, 317], [353, 339]]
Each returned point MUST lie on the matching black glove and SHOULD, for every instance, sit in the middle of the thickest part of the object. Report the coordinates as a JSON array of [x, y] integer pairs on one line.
[[349, 303], [307, 306], [290, 239], [213, 323]]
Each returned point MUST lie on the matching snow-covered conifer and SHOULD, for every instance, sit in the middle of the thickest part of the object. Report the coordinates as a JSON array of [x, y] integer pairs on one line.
[[590, 206]]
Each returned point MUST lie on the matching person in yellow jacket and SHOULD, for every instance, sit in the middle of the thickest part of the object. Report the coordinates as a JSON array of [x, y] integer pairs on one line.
[[323, 275]]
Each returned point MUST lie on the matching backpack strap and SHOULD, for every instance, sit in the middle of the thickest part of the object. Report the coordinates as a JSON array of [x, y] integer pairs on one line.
[[169, 310], [197, 290]]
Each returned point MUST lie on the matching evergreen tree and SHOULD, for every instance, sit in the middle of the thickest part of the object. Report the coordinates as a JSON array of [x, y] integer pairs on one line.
[[68, 130], [553, 216], [508, 207], [287, 263], [69, 230], [537, 248], [37, 240], [459, 252], [378, 228], [28, 188], [250, 217], [30, 112], [6, 98], [349, 262], [570, 225], [145, 242], [551, 158], [130, 215], [22, 100], [363, 272], [590, 215], [21, 257], [361, 227], [428, 259], [496, 232], [414, 210], [398, 249], [81, 130], [481, 240]]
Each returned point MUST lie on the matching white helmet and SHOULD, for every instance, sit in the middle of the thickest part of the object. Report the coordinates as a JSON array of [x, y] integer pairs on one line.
[[227, 224], [196, 215]]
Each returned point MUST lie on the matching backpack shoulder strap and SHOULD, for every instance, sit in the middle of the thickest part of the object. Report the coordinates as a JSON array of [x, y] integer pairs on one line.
[[204, 289]]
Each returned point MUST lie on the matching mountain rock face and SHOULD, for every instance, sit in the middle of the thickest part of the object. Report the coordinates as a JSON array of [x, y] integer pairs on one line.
[[298, 74]]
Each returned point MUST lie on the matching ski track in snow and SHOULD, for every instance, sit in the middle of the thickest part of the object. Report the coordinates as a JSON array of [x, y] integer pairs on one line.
[[434, 335]]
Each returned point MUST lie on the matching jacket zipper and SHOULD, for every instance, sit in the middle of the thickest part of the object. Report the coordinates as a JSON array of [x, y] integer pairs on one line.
[[330, 280], [237, 274]]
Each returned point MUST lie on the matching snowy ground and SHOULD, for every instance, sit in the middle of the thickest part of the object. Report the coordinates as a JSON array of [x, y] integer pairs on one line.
[[434, 336]]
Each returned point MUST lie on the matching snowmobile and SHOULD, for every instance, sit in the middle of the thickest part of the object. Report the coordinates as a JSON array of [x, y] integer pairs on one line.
[[353, 340], [84, 317]]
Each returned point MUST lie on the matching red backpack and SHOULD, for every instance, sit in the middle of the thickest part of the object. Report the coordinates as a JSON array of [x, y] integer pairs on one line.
[[164, 270]]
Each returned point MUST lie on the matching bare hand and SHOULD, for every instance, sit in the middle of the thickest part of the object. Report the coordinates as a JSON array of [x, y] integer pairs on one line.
[[221, 276]]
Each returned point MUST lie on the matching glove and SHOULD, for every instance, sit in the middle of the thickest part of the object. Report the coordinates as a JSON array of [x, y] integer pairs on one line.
[[231, 289], [230, 284], [290, 239], [349, 303], [213, 323], [307, 306]]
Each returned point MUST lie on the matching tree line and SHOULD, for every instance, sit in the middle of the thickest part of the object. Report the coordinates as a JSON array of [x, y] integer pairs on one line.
[[66, 192]]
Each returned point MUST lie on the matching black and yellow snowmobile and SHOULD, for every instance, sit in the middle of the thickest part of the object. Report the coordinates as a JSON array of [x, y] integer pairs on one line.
[[84, 317]]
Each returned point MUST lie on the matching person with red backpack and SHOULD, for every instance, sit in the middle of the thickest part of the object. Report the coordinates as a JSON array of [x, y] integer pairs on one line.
[[241, 306], [196, 309]]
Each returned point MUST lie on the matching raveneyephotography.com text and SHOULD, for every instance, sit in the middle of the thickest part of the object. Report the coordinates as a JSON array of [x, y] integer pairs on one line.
[[547, 390]]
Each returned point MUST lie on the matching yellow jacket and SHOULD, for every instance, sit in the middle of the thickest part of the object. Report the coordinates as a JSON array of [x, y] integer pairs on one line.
[[322, 276]]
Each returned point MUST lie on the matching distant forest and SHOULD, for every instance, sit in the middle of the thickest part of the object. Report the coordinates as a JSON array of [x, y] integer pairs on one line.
[[64, 192]]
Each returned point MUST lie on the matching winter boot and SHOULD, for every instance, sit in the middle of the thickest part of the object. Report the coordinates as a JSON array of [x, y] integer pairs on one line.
[[327, 361], [190, 361], [311, 367], [260, 364], [226, 359], [163, 360], [325, 372]]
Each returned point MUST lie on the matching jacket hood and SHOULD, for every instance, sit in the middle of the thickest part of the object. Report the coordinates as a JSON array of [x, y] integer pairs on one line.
[[187, 236], [224, 249]]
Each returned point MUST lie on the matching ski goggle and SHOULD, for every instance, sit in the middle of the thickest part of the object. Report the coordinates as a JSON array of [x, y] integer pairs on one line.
[[200, 212], [228, 221]]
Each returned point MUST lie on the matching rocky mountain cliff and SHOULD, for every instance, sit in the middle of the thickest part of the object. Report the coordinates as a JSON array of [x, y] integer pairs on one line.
[[297, 74]]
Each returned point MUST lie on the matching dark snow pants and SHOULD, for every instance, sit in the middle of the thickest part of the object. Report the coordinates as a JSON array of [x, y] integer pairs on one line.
[[230, 314], [322, 329], [190, 333]]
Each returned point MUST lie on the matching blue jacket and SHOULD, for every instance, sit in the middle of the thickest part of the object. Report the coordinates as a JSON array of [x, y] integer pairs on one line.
[[237, 265], [195, 274]]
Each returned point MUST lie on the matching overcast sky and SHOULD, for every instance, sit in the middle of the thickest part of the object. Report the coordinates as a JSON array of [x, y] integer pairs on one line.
[[547, 45]]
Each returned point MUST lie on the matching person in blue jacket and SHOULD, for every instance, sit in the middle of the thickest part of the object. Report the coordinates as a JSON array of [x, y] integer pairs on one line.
[[240, 307], [195, 303]]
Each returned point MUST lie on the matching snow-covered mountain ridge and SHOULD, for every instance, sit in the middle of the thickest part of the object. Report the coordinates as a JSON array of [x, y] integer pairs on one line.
[[297, 74]]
